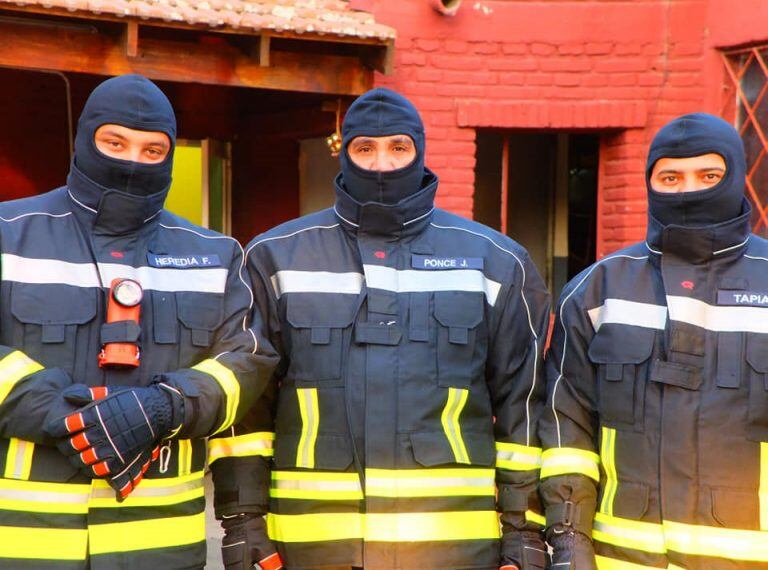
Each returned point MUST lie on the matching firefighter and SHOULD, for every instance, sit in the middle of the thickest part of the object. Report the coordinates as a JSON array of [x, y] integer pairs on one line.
[[402, 330], [123, 330], [656, 428]]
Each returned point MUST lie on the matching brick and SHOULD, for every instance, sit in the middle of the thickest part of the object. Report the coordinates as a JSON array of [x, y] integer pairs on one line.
[[410, 58], [513, 78], [570, 64], [433, 103], [595, 80], [477, 91], [486, 48], [542, 49], [429, 74], [687, 48], [633, 48], [477, 77], [427, 44], [511, 64], [456, 46], [455, 62], [682, 79], [542, 79], [650, 79], [514, 49], [598, 48], [570, 49], [622, 65], [567, 79]]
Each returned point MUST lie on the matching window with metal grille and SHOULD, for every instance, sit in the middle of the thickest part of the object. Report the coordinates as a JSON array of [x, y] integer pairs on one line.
[[746, 104]]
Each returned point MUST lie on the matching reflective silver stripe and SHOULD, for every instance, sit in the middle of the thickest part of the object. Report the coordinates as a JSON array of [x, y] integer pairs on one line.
[[45, 496], [620, 311], [57, 272], [411, 281], [145, 491], [289, 281], [718, 318], [304, 485]]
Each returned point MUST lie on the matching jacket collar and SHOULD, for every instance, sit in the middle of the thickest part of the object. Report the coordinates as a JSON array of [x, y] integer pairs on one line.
[[111, 212], [701, 244], [390, 221]]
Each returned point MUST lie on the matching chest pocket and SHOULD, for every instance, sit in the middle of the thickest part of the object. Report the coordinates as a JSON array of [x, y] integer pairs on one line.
[[51, 322], [621, 355], [757, 358], [320, 333], [461, 342]]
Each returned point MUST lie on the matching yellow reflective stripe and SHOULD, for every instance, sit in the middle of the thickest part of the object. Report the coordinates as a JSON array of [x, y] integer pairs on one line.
[[608, 460], [185, 457], [763, 491], [457, 398], [13, 368], [568, 460], [43, 543], [229, 384], [516, 457], [18, 460], [259, 443], [715, 541], [535, 518], [316, 486], [605, 563], [648, 537], [310, 420], [150, 493], [456, 482], [146, 534], [384, 527], [33, 497]]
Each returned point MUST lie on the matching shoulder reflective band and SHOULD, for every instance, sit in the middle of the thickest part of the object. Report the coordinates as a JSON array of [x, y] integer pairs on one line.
[[185, 457], [13, 368], [763, 491], [318, 486], [310, 421], [535, 518], [568, 460], [151, 492], [516, 457], [34, 497], [247, 445], [44, 544], [457, 398], [608, 459], [459, 482], [146, 534], [18, 460], [229, 384], [385, 527]]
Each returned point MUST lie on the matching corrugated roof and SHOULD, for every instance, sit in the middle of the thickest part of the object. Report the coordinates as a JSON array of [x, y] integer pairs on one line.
[[324, 17]]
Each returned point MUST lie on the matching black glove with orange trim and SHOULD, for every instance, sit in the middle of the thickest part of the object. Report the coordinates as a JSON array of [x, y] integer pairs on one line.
[[246, 543], [115, 433]]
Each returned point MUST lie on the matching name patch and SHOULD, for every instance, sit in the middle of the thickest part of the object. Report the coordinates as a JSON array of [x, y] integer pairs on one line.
[[742, 298], [429, 262], [183, 261]]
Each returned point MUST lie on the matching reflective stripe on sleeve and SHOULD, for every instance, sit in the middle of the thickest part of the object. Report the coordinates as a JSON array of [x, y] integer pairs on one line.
[[13, 368], [608, 460], [457, 398], [384, 527], [458, 482], [18, 459], [517, 457], [146, 534], [247, 445], [229, 384], [185, 457], [570, 460], [321, 486], [536, 518], [310, 421]]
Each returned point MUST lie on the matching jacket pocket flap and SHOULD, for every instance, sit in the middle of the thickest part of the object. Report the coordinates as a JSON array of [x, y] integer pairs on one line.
[[757, 351], [332, 452], [200, 310], [459, 309], [431, 448], [333, 311], [631, 500], [629, 345], [53, 305], [736, 508]]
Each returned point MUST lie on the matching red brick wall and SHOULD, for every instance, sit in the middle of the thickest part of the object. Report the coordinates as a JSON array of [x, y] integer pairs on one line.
[[622, 69]]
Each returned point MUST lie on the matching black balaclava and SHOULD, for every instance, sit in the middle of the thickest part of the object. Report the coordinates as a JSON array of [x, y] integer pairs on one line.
[[694, 135], [379, 113], [134, 102]]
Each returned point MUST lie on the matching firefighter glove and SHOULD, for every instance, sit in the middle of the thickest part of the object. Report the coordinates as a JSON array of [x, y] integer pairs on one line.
[[572, 550], [523, 550], [246, 543]]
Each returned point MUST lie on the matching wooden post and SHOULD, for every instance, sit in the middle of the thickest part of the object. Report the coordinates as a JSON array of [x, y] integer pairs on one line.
[[131, 39]]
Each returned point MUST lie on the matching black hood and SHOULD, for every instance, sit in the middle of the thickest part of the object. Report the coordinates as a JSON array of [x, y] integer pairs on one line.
[[694, 135], [379, 113], [134, 102]]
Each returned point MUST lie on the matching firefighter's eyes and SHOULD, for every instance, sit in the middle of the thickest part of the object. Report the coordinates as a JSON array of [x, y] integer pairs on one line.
[[670, 179]]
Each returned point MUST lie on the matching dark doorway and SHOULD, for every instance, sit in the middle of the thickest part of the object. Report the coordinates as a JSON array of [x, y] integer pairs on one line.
[[541, 190]]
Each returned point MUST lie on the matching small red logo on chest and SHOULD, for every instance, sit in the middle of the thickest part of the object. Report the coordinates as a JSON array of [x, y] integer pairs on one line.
[[380, 254], [117, 254], [687, 284]]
